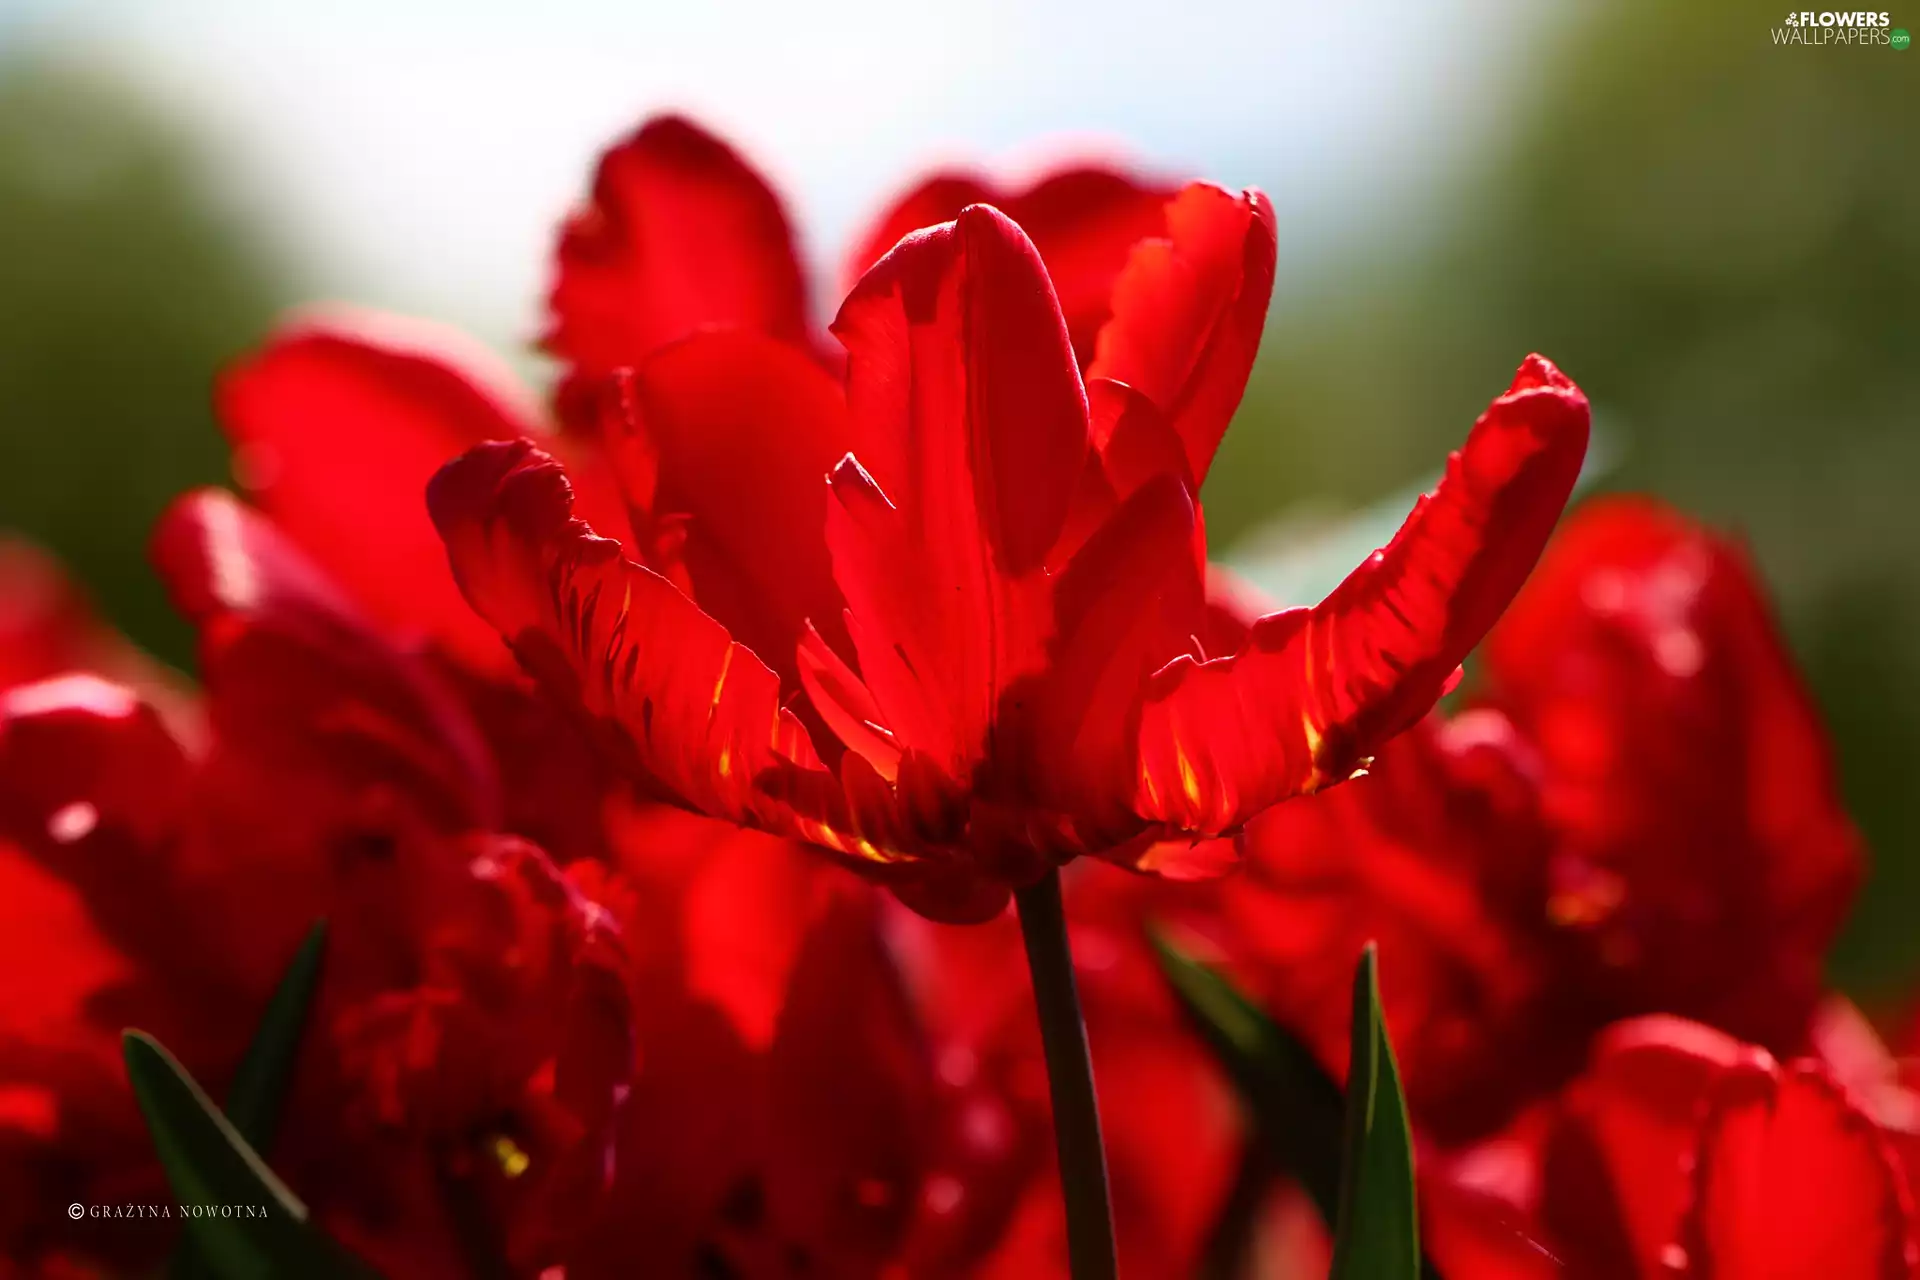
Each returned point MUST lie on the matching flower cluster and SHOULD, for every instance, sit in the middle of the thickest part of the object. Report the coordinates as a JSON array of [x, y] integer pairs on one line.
[[572, 718]]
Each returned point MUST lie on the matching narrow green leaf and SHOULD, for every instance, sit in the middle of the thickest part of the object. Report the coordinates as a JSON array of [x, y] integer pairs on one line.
[[1298, 1110], [1378, 1236], [258, 1093], [259, 1090], [1296, 1106], [243, 1219]]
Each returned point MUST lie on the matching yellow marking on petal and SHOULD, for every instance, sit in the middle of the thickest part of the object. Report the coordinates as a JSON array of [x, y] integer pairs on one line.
[[853, 845], [1147, 785], [1316, 776], [513, 1161], [820, 833], [726, 763], [720, 683], [1189, 780]]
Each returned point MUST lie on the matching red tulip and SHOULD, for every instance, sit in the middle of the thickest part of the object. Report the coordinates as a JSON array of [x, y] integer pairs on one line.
[[970, 654], [998, 524], [1705, 860]]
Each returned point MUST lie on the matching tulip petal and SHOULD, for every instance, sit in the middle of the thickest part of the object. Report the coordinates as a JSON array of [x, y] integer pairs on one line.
[[47, 627], [743, 430], [1135, 439], [93, 791], [1132, 596], [1615, 1173], [851, 1094], [970, 434], [1792, 1179], [87, 762], [1400, 857], [750, 901], [47, 1003], [847, 705], [1467, 1233], [699, 713], [297, 676], [679, 234], [1316, 691], [1083, 220], [1188, 311], [335, 434]]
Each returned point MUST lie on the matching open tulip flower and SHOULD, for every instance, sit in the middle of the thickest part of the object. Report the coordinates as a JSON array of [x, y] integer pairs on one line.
[[950, 620]]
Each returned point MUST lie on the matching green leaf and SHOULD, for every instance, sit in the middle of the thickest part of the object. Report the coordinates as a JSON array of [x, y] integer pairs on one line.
[[242, 1218], [258, 1093], [259, 1089], [1296, 1105], [1378, 1236], [1298, 1110]]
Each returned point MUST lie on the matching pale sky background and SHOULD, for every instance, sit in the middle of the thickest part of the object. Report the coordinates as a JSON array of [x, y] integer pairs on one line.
[[417, 155]]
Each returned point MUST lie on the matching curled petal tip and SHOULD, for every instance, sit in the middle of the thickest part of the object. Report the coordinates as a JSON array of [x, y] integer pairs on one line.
[[1537, 371], [529, 484]]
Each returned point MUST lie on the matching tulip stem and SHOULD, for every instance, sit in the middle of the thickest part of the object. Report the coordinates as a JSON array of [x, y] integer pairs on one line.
[[1076, 1113]]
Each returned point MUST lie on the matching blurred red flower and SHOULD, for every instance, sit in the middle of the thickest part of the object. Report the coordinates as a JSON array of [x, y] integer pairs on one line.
[[471, 1039], [1683, 1151], [1635, 812]]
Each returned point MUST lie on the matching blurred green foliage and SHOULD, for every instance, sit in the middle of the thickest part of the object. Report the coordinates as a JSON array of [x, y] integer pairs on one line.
[[1714, 236], [123, 287]]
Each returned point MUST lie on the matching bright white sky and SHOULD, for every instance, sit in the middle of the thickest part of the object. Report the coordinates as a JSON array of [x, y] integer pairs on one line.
[[416, 155]]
